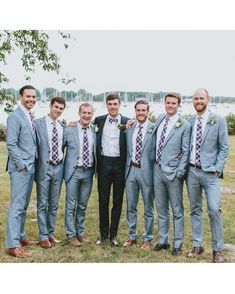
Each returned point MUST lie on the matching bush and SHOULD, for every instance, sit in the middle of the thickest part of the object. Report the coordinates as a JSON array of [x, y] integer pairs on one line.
[[2, 132], [231, 123]]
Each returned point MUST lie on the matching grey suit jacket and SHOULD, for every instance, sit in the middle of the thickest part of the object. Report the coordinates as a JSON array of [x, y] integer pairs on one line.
[[71, 142], [42, 163], [214, 146], [21, 143], [175, 152], [147, 154]]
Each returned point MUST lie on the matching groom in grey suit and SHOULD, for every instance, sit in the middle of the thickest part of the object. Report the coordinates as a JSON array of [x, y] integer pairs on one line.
[[208, 154], [172, 153], [139, 175], [80, 162], [49, 170], [21, 145]]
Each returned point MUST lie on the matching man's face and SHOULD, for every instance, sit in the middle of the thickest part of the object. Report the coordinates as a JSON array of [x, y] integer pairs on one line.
[[28, 99], [56, 110], [171, 106], [200, 101], [141, 112], [86, 114], [113, 107]]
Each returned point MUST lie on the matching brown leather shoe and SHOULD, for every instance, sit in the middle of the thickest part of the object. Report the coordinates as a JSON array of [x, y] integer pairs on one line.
[[82, 239], [146, 246], [196, 251], [74, 242], [26, 242], [217, 257], [53, 240], [18, 252], [129, 243], [45, 244]]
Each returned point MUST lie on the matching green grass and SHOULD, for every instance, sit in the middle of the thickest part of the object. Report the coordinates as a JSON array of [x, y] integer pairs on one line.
[[91, 253]]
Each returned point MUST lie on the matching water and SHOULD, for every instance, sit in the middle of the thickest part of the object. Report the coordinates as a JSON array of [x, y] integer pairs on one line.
[[71, 111]]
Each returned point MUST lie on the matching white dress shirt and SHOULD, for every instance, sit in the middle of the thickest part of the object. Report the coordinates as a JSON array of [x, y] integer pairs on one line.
[[171, 123], [26, 112], [204, 117], [144, 129], [110, 137], [49, 124], [90, 145]]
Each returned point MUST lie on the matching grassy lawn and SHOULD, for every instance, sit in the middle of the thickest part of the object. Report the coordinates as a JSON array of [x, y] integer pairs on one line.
[[92, 253]]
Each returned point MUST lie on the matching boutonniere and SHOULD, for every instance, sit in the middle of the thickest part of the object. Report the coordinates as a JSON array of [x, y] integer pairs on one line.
[[122, 127], [178, 123], [150, 130], [95, 128], [63, 123], [212, 121]]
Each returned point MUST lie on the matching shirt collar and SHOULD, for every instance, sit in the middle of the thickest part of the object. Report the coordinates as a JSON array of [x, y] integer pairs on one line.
[[204, 115]]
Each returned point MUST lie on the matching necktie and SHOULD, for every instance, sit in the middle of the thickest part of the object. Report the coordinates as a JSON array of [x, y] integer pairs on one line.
[[111, 120], [32, 121], [55, 151], [198, 142], [138, 145], [161, 142], [85, 153]]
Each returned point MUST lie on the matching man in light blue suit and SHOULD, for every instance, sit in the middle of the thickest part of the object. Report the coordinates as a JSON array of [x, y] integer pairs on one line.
[[172, 153], [208, 154], [139, 175], [80, 162], [49, 170], [21, 145]]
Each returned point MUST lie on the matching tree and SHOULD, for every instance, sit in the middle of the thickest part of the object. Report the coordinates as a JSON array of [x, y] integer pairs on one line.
[[33, 45]]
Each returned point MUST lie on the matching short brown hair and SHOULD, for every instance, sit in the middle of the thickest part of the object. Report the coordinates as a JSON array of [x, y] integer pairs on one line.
[[145, 102], [59, 100], [26, 87], [85, 104], [175, 95], [113, 96]]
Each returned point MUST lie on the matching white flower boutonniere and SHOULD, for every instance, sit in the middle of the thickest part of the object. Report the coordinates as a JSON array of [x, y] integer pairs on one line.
[[95, 128], [150, 130], [212, 121], [178, 123]]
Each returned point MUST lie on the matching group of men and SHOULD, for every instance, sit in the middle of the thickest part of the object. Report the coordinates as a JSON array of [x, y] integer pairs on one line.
[[153, 159]]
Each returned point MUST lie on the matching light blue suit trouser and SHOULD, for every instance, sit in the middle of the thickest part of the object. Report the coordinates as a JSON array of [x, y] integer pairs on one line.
[[166, 192], [21, 188], [135, 184], [48, 193], [197, 181], [78, 190]]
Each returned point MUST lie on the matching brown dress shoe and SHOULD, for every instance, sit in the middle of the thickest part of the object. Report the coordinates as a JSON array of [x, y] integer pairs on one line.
[[196, 251], [129, 243], [217, 257], [26, 242], [82, 239], [74, 242], [146, 246], [53, 240], [18, 252], [45, 244]]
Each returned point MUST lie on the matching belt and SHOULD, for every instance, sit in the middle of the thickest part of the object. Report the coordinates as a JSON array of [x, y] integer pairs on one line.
[[135, 164], [55, 164], [193, 165]]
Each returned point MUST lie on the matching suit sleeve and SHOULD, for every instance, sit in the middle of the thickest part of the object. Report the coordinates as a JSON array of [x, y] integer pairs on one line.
[[185, 150], [223, 145], [13, 134]]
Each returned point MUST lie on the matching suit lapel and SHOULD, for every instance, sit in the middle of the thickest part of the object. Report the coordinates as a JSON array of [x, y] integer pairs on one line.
[[147, 134], [129, 143], [27, 121], [206, 128], [158, 122], [44, 130], [76, 136]]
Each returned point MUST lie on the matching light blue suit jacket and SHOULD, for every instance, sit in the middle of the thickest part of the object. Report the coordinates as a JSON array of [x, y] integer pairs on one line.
[[175, 152], [147, 154], [21, 142], [214, 146], [42, 163], [71, 142]]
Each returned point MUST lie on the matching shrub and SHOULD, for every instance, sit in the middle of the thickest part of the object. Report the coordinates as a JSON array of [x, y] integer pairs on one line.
[[2, 132]]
